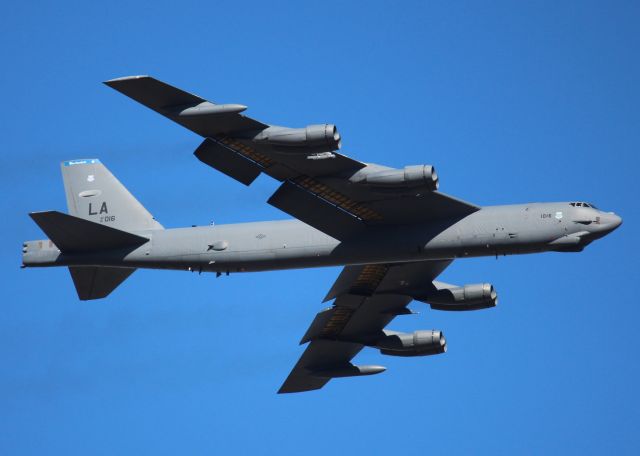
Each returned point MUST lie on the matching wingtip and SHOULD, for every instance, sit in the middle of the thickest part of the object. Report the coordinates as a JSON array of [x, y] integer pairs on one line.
[[289, 390], [285, 390], [111, 82]]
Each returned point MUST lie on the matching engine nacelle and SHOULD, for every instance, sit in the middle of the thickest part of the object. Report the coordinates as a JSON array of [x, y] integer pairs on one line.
[[318, 137], [410, 176], [418, 343], [467, 297]]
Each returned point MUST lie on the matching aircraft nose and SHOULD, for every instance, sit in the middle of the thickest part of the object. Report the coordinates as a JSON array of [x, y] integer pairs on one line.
[[613, 221], [617, 221]]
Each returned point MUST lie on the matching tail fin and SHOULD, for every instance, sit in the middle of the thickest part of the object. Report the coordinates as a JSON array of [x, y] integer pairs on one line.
[[94, 194], [93, 282], [103, 214]]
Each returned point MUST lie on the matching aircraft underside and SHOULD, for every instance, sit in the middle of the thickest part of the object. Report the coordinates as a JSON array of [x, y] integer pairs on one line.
[[391, 229]]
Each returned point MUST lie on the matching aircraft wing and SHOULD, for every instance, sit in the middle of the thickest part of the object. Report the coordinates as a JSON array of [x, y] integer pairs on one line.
[[316, 186], [367, 298], [183, 107]]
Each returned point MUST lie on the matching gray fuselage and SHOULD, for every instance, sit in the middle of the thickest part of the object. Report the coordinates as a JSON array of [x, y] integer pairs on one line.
[[289, 244]]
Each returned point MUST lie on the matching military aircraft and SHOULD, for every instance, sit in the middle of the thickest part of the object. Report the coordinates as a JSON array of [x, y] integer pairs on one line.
[[391, 229]]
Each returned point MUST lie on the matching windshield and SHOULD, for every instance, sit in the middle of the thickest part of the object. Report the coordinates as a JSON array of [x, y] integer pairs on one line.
[[583, 204]]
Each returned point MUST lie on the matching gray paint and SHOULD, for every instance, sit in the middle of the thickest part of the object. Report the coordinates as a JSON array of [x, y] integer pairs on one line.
[[264, 246], [390, 228]]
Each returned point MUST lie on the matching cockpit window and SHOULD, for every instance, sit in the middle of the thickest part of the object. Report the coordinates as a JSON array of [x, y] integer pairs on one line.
[[582, 204]]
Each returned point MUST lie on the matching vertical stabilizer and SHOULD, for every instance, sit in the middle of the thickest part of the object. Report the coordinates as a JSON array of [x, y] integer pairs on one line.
[[94, 194]]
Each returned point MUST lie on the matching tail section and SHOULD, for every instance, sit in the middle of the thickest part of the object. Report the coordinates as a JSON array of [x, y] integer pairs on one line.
[[94, 194], [75, 235], [103, 216]]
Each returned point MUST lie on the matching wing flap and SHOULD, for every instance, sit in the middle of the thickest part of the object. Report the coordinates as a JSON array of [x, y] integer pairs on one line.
[[314, 211], [317, 325], [228, 161], [425, 207], [359, 280]]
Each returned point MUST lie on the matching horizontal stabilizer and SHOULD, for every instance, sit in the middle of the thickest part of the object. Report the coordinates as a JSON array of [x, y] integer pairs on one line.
[[97, 282], [74, 234]]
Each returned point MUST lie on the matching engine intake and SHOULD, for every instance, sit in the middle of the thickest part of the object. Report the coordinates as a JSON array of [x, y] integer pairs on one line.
[[467, 297], [318, 137], [418, 343], [410, 176]]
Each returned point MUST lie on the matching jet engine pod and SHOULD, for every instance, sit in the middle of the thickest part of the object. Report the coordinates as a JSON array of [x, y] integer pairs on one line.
[[418, 343], [468, 297], [410, 176], [317, 137]]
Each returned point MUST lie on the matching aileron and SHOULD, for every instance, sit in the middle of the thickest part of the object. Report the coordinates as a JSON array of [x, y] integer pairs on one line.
[[228, 161], [318, 213]]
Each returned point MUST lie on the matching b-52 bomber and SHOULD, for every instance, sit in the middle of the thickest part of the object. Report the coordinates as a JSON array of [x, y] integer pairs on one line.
[[391, 229]]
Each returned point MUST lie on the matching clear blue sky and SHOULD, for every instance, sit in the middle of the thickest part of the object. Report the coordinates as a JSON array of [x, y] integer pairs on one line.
[[512, 102]]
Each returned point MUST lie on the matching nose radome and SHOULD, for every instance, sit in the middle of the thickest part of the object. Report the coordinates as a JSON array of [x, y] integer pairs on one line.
[[612, 221], [616, 221]]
